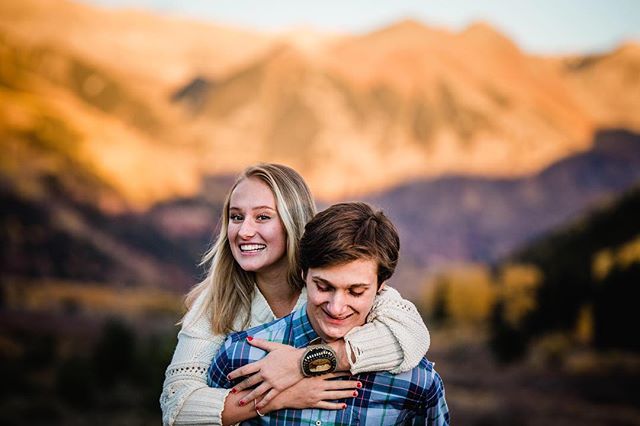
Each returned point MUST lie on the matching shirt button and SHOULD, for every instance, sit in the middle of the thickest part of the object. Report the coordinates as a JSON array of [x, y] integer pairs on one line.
[[318, 422]]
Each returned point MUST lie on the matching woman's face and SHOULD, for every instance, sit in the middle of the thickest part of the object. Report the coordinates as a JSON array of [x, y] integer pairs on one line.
[[256, 234]]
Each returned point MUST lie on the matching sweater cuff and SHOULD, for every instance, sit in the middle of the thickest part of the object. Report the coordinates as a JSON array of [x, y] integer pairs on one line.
[[204, 406], [370, 349]]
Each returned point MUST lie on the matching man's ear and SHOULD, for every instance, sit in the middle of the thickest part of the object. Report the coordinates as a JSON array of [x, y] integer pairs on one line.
[[381, 287]]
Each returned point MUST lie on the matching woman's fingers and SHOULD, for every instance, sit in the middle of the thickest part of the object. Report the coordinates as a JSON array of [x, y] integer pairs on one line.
[[341, 394], [245, 370], [336, 374], [267, 398], [326, 405], [255, 393], [341, 384], [264, 344], [248, 382]]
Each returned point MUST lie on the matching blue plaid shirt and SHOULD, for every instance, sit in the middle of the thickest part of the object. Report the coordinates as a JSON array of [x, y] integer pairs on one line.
[[415, 397]]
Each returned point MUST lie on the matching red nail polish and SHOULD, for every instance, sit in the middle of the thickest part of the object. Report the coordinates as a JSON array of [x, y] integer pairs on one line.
[[344, 406], [355, 393], [233, 390], [359, 385], [241, 403], [249, 338]]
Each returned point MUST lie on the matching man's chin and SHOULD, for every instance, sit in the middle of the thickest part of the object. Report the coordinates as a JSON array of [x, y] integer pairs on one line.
[[332, 334]]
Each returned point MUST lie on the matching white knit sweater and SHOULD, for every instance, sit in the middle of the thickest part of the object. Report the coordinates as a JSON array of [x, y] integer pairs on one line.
[[393, 339]]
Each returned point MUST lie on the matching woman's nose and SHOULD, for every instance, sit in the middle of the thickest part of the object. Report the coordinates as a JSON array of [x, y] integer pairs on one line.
[[247, 230]]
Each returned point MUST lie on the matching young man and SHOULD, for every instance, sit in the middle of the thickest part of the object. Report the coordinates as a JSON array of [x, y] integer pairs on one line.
[[347, 253]]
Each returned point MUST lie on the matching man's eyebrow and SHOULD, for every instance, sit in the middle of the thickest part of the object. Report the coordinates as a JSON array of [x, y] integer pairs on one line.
[[327, 282]]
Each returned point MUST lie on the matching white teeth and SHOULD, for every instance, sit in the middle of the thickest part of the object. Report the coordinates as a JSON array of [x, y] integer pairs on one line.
[[251, 247]]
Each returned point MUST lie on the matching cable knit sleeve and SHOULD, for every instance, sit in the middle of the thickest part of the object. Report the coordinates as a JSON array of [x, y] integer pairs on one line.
[[394, 338], [186, 398]]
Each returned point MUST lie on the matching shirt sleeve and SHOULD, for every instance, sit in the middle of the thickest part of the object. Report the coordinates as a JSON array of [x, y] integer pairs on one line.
[[435, 410], [219, 369], [394, 338]]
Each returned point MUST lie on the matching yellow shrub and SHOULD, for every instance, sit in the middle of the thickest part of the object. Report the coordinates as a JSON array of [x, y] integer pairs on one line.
[[621, 257], [518, 284]]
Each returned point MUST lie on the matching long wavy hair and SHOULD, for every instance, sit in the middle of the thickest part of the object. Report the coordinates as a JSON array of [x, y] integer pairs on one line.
[[229, 289]]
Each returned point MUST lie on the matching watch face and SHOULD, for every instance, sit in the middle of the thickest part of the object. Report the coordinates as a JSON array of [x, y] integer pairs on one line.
[[318, 359], [319, 366]]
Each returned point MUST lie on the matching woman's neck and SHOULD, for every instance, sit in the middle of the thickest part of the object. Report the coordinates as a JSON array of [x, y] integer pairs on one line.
[[279, 294]]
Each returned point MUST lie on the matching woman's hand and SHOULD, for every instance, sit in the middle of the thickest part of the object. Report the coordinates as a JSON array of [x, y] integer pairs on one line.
[[274, 373], [314, 392]]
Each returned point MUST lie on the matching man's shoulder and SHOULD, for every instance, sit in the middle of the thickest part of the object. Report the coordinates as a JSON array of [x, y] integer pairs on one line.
[[424, 372], [419, 380]]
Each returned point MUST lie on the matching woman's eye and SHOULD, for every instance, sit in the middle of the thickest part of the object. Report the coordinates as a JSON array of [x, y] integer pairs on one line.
[[263, 217], [235, 217], [322, 287], [357, 293]]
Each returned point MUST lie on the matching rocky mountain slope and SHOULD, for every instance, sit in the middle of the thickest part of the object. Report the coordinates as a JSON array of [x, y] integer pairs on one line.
[[157, 103]]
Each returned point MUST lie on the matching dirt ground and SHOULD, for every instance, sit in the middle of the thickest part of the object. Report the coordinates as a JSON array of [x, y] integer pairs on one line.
[[481, 392]]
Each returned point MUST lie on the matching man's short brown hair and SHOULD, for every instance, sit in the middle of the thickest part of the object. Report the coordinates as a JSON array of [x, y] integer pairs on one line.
[[350, 231]]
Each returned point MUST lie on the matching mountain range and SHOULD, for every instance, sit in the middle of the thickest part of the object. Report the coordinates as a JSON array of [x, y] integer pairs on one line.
[[121, 131], [158, 103], [443, 221]]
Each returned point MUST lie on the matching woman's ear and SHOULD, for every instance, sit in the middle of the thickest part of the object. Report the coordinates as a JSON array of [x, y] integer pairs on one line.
[[381, 287]]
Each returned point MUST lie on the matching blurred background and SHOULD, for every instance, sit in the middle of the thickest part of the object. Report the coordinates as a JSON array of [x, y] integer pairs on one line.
[[503, 138]]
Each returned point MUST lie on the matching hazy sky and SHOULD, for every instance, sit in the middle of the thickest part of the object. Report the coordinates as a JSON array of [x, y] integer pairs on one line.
[[540, 26]]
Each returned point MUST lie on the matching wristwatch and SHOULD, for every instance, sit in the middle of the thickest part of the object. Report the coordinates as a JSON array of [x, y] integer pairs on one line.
[[317, 360]]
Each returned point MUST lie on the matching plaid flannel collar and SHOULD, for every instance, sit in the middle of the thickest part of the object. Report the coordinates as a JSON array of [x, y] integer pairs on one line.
[[303, 333]]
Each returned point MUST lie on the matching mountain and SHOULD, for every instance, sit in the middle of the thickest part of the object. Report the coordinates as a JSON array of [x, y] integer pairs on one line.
[[158, 103], [478, 219], [454, 219], [115, 125], [156, 52], [59, 237]]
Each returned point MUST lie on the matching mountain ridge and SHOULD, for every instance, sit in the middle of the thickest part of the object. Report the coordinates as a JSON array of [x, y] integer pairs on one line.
[[394, 105]]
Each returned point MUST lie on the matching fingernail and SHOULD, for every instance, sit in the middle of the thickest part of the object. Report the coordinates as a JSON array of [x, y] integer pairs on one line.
[[355, 393], [241, 403], [249, 338], [229, 377], [359, 385], [233, 390], [344, 406]]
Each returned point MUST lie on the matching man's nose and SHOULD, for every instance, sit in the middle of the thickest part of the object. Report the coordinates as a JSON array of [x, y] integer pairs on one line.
[[337, 304]]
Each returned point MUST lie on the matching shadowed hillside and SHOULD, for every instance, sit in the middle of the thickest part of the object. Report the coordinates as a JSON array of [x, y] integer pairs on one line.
[[475, 219], [592, 269]]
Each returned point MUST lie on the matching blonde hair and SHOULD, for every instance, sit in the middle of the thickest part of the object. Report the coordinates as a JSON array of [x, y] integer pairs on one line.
[[229, 289]]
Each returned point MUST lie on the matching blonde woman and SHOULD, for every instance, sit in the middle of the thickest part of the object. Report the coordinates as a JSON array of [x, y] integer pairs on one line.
[[254, 278]]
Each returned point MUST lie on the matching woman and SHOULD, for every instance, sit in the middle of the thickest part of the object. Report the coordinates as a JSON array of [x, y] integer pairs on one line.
[[254, 278]]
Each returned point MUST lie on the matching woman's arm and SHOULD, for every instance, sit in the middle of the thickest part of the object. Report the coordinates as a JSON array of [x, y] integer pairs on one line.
[[394, 338], [186, 398]]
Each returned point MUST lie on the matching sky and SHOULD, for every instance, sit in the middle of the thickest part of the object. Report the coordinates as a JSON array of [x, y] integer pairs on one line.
[[537, 26]]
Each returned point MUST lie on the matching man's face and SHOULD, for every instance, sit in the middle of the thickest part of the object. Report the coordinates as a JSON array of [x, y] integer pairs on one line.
[[340, 297]]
